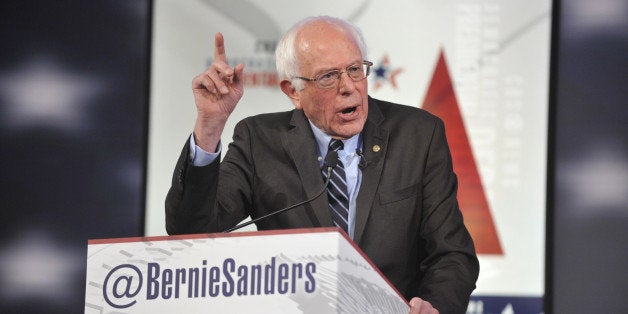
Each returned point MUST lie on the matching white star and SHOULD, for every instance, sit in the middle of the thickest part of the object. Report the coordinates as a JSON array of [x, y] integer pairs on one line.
[[41, 93], [597, 180], [33, 265]]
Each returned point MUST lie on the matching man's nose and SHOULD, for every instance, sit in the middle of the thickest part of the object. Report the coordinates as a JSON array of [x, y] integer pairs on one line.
[[346, 84]]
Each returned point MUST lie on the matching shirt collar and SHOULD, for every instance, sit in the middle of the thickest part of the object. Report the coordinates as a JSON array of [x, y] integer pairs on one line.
[[322, 141]]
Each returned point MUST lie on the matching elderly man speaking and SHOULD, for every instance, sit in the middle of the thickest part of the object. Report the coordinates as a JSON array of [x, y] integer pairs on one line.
[[393, 189]]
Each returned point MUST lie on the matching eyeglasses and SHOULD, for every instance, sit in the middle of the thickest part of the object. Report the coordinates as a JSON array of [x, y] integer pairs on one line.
[[356, 72]]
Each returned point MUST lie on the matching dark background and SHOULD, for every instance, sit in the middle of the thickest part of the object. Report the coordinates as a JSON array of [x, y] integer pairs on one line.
[[588, 169], [74, 79], [73, 122]]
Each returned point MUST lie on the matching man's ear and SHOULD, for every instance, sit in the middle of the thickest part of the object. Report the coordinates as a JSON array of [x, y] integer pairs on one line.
[[291, 92]]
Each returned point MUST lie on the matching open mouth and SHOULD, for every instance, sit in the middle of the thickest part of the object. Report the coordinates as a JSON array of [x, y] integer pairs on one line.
[[349, 110]]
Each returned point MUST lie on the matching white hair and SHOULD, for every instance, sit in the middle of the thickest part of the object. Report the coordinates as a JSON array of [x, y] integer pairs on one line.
[[286, 52]]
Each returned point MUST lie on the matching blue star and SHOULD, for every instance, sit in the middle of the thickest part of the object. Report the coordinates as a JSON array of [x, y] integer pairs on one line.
[[380, 71]]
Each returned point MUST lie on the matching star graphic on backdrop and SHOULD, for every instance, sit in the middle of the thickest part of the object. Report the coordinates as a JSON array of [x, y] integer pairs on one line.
[[42, 93], [384, 74]]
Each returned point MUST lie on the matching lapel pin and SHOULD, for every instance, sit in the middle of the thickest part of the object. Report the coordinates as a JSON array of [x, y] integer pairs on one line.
[[376, 148]]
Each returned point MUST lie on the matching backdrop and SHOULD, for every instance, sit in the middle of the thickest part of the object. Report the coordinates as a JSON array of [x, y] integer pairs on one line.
[[482, 66]]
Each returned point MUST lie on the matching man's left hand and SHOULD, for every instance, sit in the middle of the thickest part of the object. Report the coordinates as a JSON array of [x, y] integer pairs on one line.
[[420, 306]]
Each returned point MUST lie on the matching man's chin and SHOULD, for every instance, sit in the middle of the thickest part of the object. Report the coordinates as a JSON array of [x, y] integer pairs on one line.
[[347, 132]]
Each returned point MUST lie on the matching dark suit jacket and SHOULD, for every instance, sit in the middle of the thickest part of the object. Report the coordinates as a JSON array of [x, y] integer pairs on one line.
[[408, 221]]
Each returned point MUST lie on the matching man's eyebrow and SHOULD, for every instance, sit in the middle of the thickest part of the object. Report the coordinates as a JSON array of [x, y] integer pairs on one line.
[[338, 69], [326, 70]]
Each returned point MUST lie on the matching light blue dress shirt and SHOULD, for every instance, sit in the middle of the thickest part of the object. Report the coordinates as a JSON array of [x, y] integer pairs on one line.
[[350, 160]]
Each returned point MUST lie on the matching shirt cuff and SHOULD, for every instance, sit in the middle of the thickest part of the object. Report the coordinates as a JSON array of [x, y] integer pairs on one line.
[[200, 157]]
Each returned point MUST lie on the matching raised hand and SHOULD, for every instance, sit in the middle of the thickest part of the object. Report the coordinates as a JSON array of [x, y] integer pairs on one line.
[[216, 94]]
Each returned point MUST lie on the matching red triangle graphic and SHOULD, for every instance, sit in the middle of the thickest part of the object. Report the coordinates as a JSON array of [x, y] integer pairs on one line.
[[441, 101]]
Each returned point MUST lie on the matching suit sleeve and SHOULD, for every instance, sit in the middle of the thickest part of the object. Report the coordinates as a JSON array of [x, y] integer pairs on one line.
[[191, 196], [214, 197], [450, 267]]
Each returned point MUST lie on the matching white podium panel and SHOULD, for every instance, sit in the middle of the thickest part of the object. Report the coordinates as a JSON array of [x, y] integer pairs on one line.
[[288, 271]]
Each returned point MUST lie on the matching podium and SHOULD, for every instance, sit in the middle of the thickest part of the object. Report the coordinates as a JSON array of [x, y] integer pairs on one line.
[[285, 271]]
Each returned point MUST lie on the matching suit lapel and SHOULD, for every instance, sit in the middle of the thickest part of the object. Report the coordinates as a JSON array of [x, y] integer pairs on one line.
[[375, 144], [299, 142]]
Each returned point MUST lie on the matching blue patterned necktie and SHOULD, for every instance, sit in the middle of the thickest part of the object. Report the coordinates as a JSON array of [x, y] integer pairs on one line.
[[337, 191]]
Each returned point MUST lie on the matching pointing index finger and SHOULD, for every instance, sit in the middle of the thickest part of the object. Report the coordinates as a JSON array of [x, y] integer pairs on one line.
[[219, 48]]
